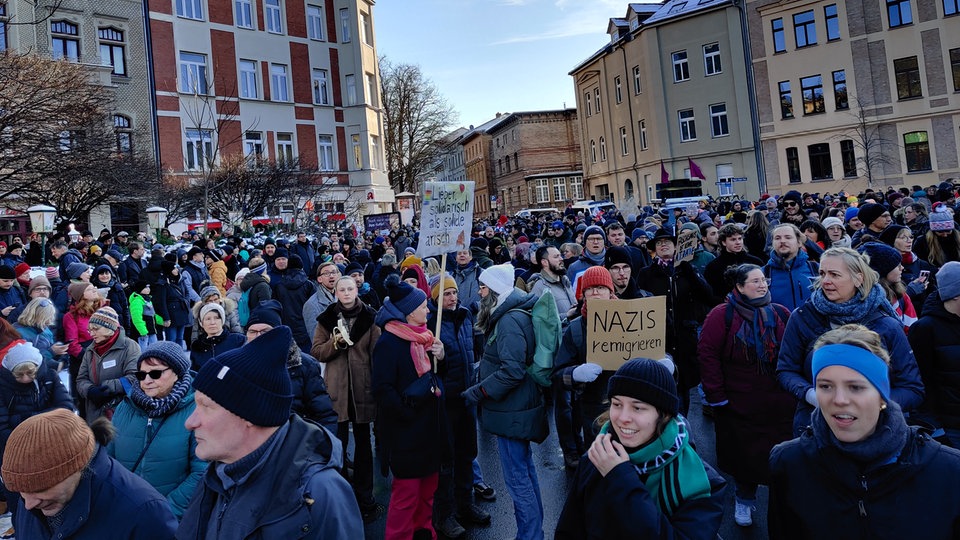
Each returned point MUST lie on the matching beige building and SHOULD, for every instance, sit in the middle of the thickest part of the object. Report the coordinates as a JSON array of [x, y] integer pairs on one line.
[[856, 89], [668, 87]]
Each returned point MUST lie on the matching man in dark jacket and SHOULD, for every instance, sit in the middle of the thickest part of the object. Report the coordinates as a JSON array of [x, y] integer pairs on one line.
[[790, 272], [65, 257], [293, 289], [732, 252], [243, 423], [303, 249], [133, 265]]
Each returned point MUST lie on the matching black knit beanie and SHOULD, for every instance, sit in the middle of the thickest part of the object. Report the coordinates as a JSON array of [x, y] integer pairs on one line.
[[648, 381]]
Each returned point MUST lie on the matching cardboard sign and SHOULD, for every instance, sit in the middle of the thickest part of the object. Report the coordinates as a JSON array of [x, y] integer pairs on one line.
[[446, 217], [618, 330], [686, 245]]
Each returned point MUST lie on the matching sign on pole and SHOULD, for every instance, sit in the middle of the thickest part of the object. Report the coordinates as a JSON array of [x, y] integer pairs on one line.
[[686, 245], [446, 217], [618, 330], [380, 222]]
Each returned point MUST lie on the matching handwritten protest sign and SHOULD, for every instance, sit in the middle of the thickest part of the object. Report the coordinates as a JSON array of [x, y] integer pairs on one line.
[[618, 330], [686, 245], [446, 217]]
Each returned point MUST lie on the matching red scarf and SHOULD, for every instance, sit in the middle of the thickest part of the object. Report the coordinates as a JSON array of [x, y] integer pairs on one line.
[[907, 258], [419, 337], [102, 348]]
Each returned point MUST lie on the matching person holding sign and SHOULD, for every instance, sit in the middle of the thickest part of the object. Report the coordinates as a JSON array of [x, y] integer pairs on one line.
[[643, 478], [738, 352]]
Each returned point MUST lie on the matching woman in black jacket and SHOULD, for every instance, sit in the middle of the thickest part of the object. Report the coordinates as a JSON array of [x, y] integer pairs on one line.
[[172, 302]]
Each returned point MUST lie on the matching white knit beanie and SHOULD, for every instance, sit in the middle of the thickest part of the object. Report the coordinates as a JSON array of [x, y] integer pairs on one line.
[[22, 354], [499, 278]]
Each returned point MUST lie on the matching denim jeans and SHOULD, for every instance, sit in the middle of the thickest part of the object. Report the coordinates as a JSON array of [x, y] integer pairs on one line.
[[477, 472], [520, 476], [175, 334], [144, 341]]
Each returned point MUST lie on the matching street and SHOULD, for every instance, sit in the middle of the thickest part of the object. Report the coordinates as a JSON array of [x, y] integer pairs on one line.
[[555, 480]]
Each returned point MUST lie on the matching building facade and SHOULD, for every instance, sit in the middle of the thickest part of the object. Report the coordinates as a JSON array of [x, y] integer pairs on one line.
[[856, 94], [276, 80], [669, 87]]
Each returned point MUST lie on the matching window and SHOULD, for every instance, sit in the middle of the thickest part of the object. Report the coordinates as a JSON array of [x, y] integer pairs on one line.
[[559, 189], [66, 43], [624, 149], [542, 190], [840, 90], [779, 39], [326, 153], [248, 80], [596, 98], [366, 29], [3, 27], [375, 155], [681, 70], [793, 165], [617, 89], [593, 151], [111, 50], [278, 82], [643, 134], [628, 189], [711, 59], [315, 22], [718, 120], [122, 129], [805, 29], [351, 83], [253, 146], [603, 149], [588, 100], [576, 188], [320, 95], [344, 25], [636, 80], [917, 150], [811, 88], [190, 9], [273, 16], [193, 73], [848, 158], [908, 77], [899, 12], [820, 166], [688, 125], [371, 88], [832, 19], [243, 13], [357, 152], [285, 149], [199, 148], [786, 100], [951, 7], [955, 67], [71, 139]]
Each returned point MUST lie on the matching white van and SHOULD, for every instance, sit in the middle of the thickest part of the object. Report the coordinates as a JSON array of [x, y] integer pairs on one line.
[[592, 207], [527, 213]]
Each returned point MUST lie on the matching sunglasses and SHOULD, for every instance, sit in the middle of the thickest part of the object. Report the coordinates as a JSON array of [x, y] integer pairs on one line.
[[154, 374], [790, 203]]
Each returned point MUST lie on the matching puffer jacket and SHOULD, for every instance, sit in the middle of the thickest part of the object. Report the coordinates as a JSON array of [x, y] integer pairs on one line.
[[293, 290], [259, 289], [120, 361], [348, 372], [935, 339], [170, 463], [20, 401], [218, 276], [172, 301], [456, 368], [204, 348], [790, 282], [513, 406], [310, 397]]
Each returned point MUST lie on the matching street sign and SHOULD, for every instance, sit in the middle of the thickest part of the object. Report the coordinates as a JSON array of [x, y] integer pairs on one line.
[[737, 179]]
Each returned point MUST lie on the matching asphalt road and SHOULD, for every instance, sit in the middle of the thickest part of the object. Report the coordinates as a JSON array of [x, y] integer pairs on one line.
[[555, 481]]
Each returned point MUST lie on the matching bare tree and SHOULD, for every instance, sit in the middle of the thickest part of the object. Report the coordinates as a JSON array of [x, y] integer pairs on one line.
[[873, 147], [417, 117]]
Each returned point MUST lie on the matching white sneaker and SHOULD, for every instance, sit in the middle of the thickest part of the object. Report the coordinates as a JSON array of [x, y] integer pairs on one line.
[[743, 514]]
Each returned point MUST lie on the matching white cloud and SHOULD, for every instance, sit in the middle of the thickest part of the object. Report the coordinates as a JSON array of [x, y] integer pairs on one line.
[[582, 21]]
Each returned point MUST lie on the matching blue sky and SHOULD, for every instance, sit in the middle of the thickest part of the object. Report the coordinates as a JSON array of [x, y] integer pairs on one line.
[[489, 56]]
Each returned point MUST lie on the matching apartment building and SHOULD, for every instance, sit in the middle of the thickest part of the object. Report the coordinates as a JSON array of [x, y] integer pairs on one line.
[[856, 94], [274, 79], [668, 87]]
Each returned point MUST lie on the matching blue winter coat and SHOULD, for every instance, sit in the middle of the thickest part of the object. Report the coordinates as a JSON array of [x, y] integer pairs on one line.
[[172, 302], [42, 340], [205, 348], [21, 401], [794, 365], [456, 333], [170, 463], [791, 282], [12, 297], [110, 502], [305, 251], [468, 285], [295, 491]]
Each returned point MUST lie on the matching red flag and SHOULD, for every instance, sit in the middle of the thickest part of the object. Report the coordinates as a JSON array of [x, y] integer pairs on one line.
[[695, 171], [664, 177]]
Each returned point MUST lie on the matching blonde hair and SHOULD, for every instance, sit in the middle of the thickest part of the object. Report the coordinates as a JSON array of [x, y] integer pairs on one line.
[[856, 335], [431, 267], [25, 368], [936, 255], [856, 264], [39, 313]]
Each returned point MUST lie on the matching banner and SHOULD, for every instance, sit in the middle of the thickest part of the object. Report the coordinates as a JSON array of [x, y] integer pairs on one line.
[[686, 245], [379, 222], [446, 217], [618, 330]]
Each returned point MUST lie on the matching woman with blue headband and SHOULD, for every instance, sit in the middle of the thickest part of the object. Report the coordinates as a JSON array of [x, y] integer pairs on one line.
[[858, 471]]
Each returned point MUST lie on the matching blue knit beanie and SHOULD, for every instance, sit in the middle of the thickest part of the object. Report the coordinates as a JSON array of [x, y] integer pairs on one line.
[[252, 382], [170, 354], [858, 359], [268, 312], [850, 214], [402, 297]]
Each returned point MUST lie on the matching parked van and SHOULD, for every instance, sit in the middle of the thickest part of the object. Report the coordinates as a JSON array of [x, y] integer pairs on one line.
[[527, 213], [592, 207]]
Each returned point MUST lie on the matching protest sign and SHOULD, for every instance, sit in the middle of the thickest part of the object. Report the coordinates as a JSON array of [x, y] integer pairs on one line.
[[686, 244], [446, 217], [379, 222], [618, 330]]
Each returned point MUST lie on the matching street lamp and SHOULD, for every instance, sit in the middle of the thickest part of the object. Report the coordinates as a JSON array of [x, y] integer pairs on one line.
[[157, 216], [42, 218]]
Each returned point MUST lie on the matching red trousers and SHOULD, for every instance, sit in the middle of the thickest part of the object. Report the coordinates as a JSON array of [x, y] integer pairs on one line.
[[411, 507]]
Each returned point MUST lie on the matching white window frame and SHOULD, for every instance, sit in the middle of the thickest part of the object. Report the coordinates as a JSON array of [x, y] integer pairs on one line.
[[249, 89], [327, 154], [366, 28], [603, 149], [197, 139], [719, 122], [357, 152], [542, 190], [279, 82], [576, 188], [350, 81], [285, 150], [637, 87], [596, 97], [618, 89], [711, 60], [643, 134], [688, 125], [243, 13], [593, 151], [345, 36], [321, 94], [681, 66], [375, 154], [624, 149], [273, 13], [588, 103], [560, 189], [315, 22], [193, 73], [190, 9], [253, 148], [371, 81]]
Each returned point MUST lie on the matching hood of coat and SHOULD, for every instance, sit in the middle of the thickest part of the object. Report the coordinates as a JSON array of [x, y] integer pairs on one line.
[[250, 280]]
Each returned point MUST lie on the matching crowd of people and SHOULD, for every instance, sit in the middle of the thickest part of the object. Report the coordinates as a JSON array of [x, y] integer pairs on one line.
[[211, 388]]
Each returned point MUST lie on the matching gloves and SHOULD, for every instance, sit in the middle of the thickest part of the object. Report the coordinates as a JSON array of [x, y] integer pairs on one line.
[[585, 373], [473, 395], [811, 397], [99, 395]]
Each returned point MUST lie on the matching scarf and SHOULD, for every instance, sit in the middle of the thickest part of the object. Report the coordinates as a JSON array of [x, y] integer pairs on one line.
[[758, 335], [158, 407], [670, 468], [908, 258], [597, 259], [854, 310], [666, 265], [880, 448], [352, 312], [419, 337], [102, 348]]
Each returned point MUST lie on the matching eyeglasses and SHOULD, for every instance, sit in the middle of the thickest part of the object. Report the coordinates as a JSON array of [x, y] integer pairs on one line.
[[790, 203], [620, 269], [758, 281], [252, 332], [154, 374], [328, 274], [592, 239], [42, 288]]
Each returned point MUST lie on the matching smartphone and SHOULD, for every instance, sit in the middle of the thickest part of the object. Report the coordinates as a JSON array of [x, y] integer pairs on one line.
[[924, 274]]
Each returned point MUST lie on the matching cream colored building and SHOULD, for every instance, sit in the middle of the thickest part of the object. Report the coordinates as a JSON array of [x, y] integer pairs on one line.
[[668, 87], [841, 85]]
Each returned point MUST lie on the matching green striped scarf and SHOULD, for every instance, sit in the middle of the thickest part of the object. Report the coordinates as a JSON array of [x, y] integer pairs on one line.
[[670, 468]]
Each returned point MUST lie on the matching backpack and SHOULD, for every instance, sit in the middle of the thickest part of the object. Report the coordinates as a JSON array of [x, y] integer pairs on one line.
[[243, 307], [546, 332]]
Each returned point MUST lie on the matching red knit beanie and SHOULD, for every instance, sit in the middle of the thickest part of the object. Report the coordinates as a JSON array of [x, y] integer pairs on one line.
[[593, 277]]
